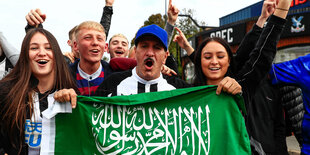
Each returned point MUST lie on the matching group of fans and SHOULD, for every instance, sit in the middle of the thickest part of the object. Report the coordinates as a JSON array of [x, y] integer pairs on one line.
[[41, 72]]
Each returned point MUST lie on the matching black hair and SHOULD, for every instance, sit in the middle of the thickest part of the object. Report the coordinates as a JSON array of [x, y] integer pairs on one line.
[[200, 79]]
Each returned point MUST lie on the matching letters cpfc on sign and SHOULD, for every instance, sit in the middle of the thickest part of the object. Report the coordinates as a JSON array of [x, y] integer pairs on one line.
[[182, 121], [141, 129], [225, 34], [232, 34]]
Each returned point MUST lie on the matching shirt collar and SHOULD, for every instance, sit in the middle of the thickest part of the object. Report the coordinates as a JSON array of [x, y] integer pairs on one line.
[[134, 73], [92, 76]]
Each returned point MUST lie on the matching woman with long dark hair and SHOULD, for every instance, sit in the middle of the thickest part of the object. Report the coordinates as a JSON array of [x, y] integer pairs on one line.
[[214, 61], [28, 90]]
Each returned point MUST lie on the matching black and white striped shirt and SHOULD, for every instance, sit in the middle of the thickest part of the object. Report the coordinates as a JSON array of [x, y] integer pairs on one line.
[[128, 83]]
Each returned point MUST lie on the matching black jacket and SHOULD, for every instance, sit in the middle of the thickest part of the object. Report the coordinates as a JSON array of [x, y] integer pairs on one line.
[[252, 73], [106, 19], [291, 98], [253, 62], [268, 127]]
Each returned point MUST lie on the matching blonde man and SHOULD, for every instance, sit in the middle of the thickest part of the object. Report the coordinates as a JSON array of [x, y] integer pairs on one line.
[[90, 70], [90, 42]]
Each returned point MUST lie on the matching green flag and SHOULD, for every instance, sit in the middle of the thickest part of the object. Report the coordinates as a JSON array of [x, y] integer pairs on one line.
[[183, 121]]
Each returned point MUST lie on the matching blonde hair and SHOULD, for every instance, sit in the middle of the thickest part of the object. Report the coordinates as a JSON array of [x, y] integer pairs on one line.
[[118, 35], [91, 25]]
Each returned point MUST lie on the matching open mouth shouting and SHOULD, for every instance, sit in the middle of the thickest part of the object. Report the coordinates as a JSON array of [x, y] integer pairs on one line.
[[42, 62], [148, 63]]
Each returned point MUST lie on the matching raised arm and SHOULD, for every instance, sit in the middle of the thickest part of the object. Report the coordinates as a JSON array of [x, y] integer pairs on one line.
[[268, 9], [173, 13], [264, 52], [183, 42], [106, 17], [282, 8], [171, 64], [250, 39]]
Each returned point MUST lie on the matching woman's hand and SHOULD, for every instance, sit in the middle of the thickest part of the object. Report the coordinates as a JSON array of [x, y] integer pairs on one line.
[[66, 95], [229, 85]]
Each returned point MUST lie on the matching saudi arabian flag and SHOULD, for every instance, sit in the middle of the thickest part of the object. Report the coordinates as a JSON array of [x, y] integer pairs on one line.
[[183, 121]]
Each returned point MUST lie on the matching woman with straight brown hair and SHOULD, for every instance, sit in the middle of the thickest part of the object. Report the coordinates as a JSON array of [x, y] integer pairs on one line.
[[28, 90]]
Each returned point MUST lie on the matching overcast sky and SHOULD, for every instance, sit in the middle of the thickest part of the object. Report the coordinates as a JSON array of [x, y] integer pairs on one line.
[[128, 15]]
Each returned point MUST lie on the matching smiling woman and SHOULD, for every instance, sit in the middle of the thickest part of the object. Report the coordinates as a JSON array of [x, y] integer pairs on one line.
[[213, 61], [28, 90], [41, 57]]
